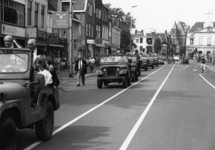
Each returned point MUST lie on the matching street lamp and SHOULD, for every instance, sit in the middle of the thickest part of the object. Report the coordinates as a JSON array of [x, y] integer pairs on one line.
[[131, 28]]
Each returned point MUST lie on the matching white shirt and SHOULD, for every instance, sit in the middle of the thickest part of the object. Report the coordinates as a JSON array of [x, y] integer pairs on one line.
[[47, 75], [35, 54], [80, 64]]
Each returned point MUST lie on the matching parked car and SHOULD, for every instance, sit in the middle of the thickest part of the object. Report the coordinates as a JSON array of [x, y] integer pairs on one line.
[[185, 60], [114, 68], [155, 58], [151, 62], [17, 90], [144, 61], [176, 58]]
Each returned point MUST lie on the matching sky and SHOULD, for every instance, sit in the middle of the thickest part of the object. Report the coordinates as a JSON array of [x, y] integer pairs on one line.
[[160, 15]]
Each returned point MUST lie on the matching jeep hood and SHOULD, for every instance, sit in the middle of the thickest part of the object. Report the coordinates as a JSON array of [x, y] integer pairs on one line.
[[13, 90], [118, 66]]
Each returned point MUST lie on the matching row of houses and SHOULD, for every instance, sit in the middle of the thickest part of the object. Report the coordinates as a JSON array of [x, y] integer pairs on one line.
[[94, 31], [181, 39]]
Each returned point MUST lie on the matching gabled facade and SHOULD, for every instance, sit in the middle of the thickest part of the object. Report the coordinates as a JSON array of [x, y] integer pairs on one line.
[[85, 12], [140, 40], [178, 35]]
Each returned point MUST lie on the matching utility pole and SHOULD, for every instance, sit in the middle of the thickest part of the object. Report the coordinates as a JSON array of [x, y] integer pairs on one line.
[[131, 29], [71, 42]]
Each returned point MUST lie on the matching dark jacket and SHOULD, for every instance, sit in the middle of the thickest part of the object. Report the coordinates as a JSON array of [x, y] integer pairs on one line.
[[55, 79], [84, 67]]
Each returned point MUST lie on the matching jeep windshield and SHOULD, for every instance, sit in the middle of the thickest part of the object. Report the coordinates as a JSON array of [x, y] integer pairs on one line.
[[13, 63], [114, 59]]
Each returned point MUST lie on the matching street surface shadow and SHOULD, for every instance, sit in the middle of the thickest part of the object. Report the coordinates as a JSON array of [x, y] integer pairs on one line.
[[77, 138]]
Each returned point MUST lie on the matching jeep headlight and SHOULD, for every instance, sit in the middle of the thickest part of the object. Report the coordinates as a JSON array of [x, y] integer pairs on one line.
[[123, 71], [104, 69], [117, 69]]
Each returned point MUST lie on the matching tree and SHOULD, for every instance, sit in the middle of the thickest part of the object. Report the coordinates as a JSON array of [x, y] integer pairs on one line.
[[157, 45], [125, 22]]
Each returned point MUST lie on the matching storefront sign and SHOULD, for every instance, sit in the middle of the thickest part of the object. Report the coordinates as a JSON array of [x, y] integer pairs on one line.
[[90, 42], [12, 30], [41, 35], [60, 20], [31, 32], [53, 38]]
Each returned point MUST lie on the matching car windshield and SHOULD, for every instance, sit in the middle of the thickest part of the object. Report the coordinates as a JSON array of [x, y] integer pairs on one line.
[[134, 59], [114, 59], [13, 63]]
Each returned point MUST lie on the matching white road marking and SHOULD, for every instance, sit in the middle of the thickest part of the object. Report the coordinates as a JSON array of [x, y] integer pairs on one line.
[[91, 110], [140, 120], [207, 81]]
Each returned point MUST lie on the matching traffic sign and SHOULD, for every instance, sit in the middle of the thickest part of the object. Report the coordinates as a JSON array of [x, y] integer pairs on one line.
[[60, 20]]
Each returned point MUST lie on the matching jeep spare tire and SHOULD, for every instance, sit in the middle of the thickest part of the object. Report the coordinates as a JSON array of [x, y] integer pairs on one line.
[[7, 134], [44, 127]]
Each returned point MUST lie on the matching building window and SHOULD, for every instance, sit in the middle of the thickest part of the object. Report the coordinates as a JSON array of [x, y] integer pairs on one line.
[[100, 12], [137, 40], [90, 10], [12, 12], [209, 41], [141, 40], [86, 29], [141, 48], [42, 16], [191, 41], [200, 41], [92, 30], [29, 11], [36, 14]]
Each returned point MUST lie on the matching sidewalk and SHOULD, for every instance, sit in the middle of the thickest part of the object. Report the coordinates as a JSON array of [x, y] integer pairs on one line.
[[210, 66], [65, 74]]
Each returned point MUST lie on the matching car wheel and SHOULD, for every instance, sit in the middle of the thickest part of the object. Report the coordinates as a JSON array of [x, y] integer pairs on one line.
[[8, 134], [153, 67], [133, 77], [129, 81], [44, 127], [99, 83], [157, 65], [105, 83], [146, 68], [125, 83], [136, 77]]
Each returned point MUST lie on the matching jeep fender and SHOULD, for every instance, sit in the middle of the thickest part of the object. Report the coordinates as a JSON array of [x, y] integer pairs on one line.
[[48, 96], [12, 110]]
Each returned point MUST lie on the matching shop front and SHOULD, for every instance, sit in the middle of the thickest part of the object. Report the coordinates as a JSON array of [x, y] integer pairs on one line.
[[90, 48], [56, 46], [18, 34]]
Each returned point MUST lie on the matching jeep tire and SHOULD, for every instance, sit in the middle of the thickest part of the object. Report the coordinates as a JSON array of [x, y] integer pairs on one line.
[[99, 83], [105, 83], [146, 68], [153, 66], [125, 82], [133, 77], [7, 134], [44, 127]]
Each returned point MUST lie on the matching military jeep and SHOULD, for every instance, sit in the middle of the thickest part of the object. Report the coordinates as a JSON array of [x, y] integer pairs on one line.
[[19, 87], [114, 68]]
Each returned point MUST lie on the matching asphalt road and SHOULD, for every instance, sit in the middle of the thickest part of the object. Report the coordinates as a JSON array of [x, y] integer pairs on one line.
[[171, 107]]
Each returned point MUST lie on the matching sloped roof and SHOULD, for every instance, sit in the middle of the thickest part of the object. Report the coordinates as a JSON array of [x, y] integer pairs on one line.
[[198, 25], [79, 4], [174, 26], [183, 24]]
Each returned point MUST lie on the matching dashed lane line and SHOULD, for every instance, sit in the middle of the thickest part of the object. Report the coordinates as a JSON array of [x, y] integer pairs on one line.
[[91, 110]]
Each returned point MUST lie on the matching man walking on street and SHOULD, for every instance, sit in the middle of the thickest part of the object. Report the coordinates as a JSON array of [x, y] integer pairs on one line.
[[203, 64], [81, 69]]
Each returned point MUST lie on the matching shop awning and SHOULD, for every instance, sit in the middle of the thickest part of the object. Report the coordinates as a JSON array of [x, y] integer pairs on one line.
[[56, 45]]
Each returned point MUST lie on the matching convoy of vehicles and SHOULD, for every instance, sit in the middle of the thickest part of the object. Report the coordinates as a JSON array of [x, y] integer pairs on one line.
[[17, 92]]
